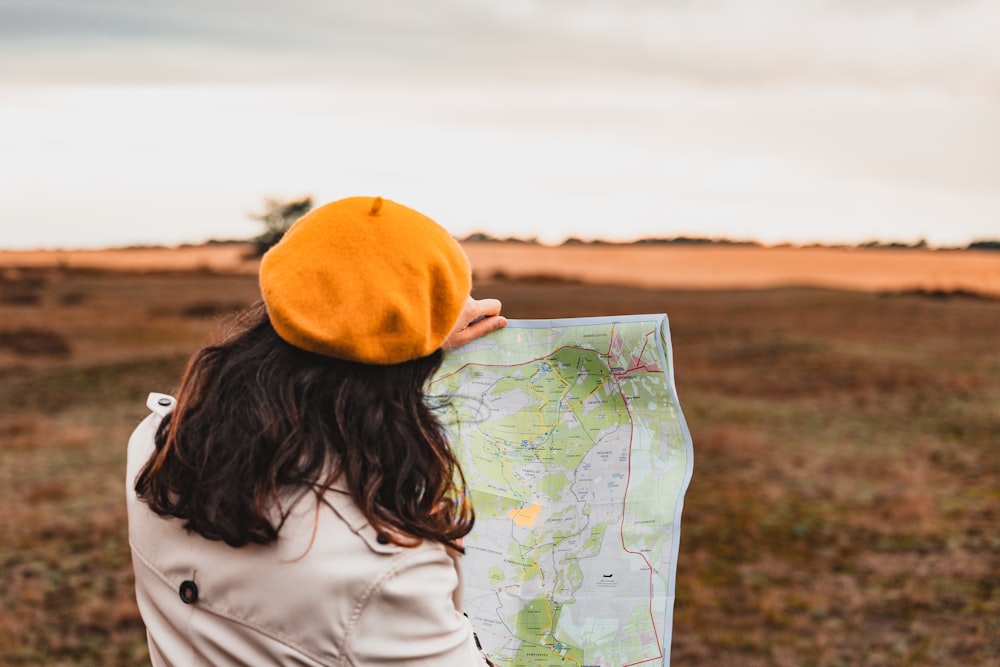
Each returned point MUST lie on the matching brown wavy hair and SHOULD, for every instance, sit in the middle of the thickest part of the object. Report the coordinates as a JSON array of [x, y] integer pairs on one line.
[[258, 423]]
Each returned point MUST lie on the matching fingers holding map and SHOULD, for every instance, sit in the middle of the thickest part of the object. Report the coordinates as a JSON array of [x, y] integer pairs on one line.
[[577, 457]]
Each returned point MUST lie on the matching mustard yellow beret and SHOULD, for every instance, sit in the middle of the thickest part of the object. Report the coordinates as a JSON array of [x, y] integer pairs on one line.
[[365, 279]]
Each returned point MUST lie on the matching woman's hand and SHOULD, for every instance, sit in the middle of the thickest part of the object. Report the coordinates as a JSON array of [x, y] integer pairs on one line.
[[479, 317]]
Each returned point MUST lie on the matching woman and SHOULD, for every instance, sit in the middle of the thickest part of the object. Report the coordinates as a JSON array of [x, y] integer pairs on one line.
[[297, 503]]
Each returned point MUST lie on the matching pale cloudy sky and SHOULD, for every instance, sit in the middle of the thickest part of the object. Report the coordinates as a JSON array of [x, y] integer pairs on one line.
[[132, 121]]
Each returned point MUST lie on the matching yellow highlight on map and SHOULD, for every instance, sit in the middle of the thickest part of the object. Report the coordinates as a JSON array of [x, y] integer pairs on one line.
[[525, 517]]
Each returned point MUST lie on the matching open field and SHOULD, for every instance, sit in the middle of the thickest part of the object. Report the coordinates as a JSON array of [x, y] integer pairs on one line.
[[671, 266], [845, 499]]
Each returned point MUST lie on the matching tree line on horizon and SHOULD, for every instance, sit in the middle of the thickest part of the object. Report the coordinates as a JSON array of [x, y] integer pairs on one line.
[[921, 244], [279, 214]]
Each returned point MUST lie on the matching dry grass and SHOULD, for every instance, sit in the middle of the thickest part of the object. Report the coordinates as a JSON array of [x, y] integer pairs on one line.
[[843, 509], [845, 493], [66, 594]]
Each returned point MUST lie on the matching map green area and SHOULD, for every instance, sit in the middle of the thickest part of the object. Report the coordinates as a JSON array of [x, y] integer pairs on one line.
[[577, 457]]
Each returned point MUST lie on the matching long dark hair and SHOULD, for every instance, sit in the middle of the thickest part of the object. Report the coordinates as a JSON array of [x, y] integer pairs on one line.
[[259, 421]]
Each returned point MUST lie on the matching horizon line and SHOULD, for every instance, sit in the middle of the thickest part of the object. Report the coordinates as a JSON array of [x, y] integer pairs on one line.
[[483, 237]]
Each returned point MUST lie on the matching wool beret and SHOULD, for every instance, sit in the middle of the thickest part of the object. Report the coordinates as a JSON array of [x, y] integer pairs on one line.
[[365, 279]]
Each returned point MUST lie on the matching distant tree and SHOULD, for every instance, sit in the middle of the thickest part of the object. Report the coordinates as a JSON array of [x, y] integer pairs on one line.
[[985, 244], [278, 216], [920, 244], [479, 237]]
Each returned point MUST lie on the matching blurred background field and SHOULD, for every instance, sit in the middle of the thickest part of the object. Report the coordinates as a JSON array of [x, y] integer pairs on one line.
[[843, 509], [844, 403]]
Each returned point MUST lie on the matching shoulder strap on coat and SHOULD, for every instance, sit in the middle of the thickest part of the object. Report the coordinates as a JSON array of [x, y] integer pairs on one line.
[[161, 404]]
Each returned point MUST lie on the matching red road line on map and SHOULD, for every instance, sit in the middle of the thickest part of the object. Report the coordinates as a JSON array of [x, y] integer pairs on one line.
[[621, 530], [639, 357]]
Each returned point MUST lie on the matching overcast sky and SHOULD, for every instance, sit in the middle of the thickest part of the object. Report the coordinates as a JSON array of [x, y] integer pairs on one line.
[[127, 121]]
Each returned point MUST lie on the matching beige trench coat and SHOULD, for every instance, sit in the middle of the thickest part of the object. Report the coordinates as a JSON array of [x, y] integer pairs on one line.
[[326, 593]]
